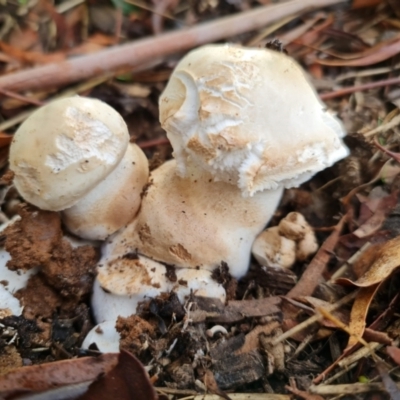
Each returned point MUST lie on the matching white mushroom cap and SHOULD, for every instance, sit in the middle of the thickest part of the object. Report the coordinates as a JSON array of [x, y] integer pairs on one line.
[[294, 226], [122, 283], [105, 336], [248, 116], [113, 202], [64, 149], [274, 250], [195, 222]]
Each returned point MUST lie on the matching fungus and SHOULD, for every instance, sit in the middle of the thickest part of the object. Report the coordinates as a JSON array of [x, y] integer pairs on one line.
[[73, 155], [244, 124], [280, 246], [123, 283]]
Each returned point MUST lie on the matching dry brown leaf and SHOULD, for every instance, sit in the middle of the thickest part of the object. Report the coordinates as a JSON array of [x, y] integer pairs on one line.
[[39, 378], [359, 313], [371, 335], [212, 386], [31, 57], [127, 380], [381, 208], [388, 259]]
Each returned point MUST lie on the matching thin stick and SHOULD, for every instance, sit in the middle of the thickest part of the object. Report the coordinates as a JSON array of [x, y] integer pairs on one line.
[[352, 388], [314, 318], [131, 55], [359, 88]]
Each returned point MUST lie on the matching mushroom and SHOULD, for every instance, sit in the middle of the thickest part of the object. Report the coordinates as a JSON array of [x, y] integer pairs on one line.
[[250, 117], [73, 155], [295, 227], [280, 246], [244, 124], [273, 249]]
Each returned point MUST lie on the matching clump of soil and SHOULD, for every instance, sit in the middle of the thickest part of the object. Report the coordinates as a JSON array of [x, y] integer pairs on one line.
[[31, 239], [134, 331], [54, 300]]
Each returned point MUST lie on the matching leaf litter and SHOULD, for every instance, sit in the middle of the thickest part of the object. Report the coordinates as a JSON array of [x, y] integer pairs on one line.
[[270, 338]]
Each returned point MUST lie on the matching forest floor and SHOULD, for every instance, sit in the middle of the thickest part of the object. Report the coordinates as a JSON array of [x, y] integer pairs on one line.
[[328, 328]]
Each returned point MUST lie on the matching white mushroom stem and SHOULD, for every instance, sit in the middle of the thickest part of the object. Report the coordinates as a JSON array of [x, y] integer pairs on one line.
[[122, 283], [105, 336], [113, 202], [9, 305], [195, 222], [74, 154]]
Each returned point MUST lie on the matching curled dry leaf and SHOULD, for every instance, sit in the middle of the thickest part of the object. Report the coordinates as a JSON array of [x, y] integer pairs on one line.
[[387, 260], [359, 313], [378, 217]]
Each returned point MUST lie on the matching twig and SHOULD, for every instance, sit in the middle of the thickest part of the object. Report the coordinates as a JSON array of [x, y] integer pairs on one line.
[[352, 388], [314, 318], [154, 142], [139, 52], [359, 88], [19, 97], [311, 276], [81, 87], [234, 396]]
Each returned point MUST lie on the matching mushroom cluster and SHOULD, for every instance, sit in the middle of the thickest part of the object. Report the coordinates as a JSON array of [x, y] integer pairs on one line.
[[244, 124], [74, 156]]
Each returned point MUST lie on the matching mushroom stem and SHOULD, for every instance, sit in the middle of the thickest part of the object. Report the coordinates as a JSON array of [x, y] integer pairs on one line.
[[98, 213], [195, 222]]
